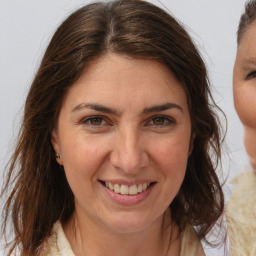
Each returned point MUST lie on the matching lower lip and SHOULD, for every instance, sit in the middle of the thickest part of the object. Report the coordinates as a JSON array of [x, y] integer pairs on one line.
[[128, 199]]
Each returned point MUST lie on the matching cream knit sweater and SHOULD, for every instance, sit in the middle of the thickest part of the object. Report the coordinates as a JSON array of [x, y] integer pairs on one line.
[[241, 215], [58, 245]]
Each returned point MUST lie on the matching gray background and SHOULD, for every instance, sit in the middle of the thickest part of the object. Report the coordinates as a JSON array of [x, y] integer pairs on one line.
[[26, 27]]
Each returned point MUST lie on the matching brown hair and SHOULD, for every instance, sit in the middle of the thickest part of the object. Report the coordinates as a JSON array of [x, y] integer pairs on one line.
[[41, 194], [246, 18]]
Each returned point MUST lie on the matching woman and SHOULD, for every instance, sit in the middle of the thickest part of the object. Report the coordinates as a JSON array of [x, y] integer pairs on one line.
[[120, 142], [244, 74], [241, 209]]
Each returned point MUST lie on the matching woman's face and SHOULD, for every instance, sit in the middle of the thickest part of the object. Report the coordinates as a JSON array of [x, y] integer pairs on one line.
[[244, 81], [123, 136]]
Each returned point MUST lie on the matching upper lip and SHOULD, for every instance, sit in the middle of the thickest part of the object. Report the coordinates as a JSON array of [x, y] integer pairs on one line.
[[128, 183]]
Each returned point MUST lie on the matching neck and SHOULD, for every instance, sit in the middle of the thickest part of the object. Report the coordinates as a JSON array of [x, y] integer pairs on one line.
[[86, 238]]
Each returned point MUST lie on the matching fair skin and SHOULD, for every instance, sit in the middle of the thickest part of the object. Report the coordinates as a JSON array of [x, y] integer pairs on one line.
[[123, 136], [244, 89]]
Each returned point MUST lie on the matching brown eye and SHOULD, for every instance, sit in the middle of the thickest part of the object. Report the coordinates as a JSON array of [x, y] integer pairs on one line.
[[251, 75], [96, 124], [159, 120], [95, 120]]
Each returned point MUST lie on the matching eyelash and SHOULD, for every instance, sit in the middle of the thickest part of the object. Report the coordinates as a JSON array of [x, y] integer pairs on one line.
[[251, 75], [90, 119], [167, 121]]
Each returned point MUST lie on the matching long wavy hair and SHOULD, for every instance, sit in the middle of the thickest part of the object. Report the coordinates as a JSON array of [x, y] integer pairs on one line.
[[37, 189]]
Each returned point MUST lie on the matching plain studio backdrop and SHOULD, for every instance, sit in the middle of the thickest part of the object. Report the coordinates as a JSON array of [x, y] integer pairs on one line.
[[26, 27]]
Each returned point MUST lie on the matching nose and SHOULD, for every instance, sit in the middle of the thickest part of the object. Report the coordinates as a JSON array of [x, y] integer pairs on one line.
[[129, 152]]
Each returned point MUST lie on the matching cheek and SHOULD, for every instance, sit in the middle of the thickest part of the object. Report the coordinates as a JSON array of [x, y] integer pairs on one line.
[[250, 144], [82, 157], [82, 162], [172, 160], [245, 104], [172, 155]]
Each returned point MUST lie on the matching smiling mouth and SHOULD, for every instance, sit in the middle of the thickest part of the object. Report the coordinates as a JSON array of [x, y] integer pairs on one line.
[[126, 189]]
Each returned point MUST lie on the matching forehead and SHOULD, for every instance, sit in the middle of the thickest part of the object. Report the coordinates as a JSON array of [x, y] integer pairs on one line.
[[118, 66], [249, 37], [246, 51], [112, 76]]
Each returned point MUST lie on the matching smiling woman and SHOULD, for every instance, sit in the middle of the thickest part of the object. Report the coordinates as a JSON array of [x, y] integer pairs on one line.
[[130, 145], [114, 153]]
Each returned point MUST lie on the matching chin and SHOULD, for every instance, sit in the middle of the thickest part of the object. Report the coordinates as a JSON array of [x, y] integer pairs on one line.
[[253, 163], [129, 223]]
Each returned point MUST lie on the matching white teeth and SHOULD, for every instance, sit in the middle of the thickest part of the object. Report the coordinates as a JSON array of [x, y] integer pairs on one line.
[[116, 188], [133, 190], [139, 188], [144, 186], [110, 186], [124, 190], [127, 190]]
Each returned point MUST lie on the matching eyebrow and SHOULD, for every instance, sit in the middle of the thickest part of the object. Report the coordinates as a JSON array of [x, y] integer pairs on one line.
[[248, 61], [96, 107], [101, 108], [162, 107], [251, 59]]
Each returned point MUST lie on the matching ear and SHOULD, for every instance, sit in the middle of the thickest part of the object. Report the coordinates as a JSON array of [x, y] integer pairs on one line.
[[56, 145]]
